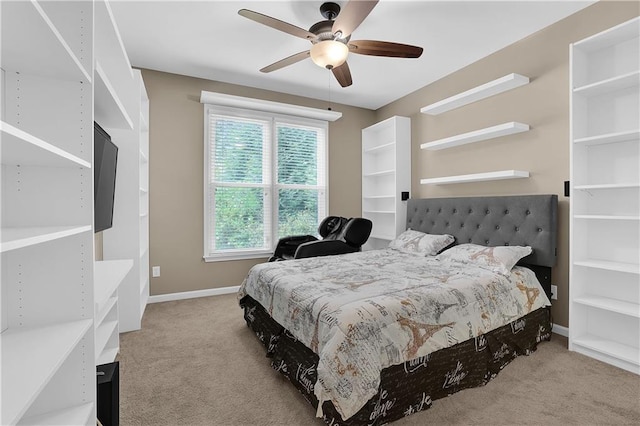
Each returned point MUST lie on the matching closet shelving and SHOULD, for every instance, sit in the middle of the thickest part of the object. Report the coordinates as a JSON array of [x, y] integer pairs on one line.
[[47, 337], [386, 172], [604, 307]]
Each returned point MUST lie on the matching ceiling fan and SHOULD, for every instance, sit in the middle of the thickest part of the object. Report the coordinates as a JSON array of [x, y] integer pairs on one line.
[[331, 39]]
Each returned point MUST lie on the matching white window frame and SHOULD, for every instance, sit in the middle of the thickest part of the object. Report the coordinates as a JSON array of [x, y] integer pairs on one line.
[[272, 186]]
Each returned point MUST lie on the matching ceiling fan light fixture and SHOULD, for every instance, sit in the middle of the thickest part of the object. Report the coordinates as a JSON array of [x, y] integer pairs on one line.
[[329, 53]]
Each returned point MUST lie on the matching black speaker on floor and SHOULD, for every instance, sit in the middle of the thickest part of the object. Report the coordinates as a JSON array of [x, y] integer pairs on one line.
[[108, 376]]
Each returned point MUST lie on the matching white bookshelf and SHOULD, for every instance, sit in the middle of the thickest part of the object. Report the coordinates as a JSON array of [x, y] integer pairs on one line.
[[131, 206], [476, 177], [604, 305], [386, 172], [492, 88], [492, 132], [46, 238]]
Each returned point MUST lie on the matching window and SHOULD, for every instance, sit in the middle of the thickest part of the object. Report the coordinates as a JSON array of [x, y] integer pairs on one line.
[[265, 178]]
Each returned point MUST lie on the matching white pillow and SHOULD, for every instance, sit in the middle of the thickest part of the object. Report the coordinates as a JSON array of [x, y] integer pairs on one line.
[[421, 244], [499, 259]]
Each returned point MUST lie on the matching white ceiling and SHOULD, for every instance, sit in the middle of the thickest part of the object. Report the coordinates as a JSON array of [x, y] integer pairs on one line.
[[208, 39]]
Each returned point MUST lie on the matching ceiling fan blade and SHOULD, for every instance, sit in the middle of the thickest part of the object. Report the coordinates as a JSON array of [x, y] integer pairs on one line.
[[384, 48], [343, 75], [286, 61], [277, 24], [351, 16]]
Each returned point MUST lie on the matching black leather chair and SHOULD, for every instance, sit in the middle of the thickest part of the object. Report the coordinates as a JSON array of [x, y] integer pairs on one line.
[[339, 236]]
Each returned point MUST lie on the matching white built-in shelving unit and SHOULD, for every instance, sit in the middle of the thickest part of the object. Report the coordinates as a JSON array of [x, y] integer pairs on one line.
[[129, 237], [143, 161], [604, 307], [502, 84], [46, 232], [62, 67], [386, 173]]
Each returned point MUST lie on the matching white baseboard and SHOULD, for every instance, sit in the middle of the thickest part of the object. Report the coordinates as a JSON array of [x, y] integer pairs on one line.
[[558, 329], [193, 294]]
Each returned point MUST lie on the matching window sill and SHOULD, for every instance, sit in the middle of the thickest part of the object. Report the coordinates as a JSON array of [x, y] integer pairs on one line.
[[238, 256]]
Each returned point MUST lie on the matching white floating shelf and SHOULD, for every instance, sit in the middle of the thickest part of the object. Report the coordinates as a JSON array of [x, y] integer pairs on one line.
[[631, 268], [20, 148], [378, 197], [16, 238], [109, 110], [508, 82], [29, 367], [31, 44], [608, 304], [108, 275], [476, 177], [379, 211], [625, 81], [631, 135], [492, 132]]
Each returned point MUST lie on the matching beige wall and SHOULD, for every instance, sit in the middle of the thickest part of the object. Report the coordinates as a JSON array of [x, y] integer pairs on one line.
[[176, 177], [543, 104]]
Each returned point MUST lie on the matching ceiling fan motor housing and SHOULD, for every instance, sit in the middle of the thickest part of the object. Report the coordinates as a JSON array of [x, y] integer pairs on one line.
[[330, 10]]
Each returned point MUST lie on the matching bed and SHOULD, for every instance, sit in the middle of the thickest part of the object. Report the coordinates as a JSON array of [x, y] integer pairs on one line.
[[370, 337]]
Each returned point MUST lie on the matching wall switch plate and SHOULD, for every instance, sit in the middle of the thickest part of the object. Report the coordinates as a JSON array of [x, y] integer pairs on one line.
[[554, 292], [155, 271]]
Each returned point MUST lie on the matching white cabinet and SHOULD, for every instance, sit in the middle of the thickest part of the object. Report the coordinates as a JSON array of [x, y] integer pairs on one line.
[[604, 310], [386, 173], [47, 343]]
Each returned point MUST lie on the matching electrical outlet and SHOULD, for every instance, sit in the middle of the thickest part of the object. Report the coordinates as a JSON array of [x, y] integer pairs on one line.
[[155, 271], [554, 292]]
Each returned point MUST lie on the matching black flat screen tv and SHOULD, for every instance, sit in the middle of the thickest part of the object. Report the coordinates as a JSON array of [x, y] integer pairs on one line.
[[105, 159]]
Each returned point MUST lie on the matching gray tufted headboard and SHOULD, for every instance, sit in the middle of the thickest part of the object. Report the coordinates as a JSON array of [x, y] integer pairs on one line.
[[524, 220]]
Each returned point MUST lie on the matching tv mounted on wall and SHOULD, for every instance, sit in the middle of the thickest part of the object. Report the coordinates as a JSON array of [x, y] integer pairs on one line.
[[105, 158]]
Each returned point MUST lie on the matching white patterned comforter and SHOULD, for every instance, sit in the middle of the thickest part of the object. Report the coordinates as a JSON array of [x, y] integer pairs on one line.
[[363, 312]]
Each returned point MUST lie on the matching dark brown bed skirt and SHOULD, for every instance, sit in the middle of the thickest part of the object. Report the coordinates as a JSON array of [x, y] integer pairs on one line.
[[413, 385]]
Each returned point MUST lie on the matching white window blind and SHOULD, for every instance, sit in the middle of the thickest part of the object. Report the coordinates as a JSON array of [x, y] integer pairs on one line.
[[265, 178]]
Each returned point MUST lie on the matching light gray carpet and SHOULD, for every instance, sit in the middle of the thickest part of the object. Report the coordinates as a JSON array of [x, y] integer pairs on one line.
[[195, 362]]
